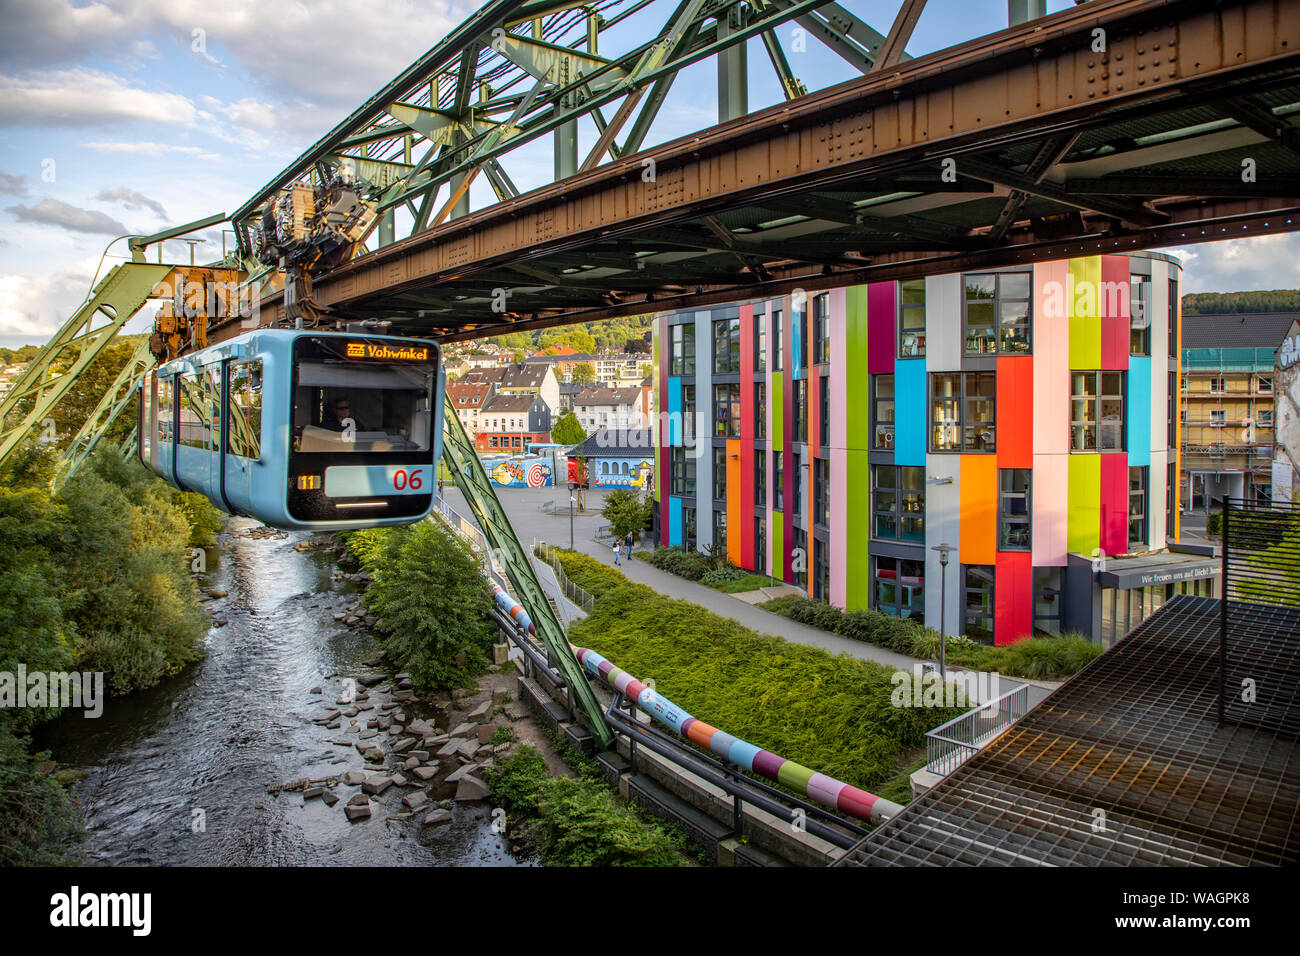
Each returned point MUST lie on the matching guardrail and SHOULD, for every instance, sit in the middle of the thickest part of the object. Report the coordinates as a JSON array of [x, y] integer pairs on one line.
[[577, 595], [948, 745]]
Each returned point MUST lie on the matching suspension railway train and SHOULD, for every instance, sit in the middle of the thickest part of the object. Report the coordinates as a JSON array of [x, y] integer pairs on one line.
[[301, 429]]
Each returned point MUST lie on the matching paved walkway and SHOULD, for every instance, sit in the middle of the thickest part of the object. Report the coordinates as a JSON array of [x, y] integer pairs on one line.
[[521, 505]]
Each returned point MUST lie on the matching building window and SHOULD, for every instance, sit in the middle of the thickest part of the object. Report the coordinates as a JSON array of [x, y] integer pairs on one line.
[[821, 329], [898, 502], [1097, 411], [821, 571], [801, 410], [1137, 506], [1264, 384], [1218, 417], [997, 313], [911, 318], [688, 412], [726, 410], [1264, 418], [1047, 600], [778, 482], [778, 343], [719, 532], [681, 471], [797, 505], [899, 588], [726, 345], [1014, 509], [760, 409], [1173, 318], [1139, 315], [719, 472], [760, 341], [760, 478], [978, 608], [688, 529], [760, 545], [882, 412], [962, 411], [1216, 384], [821, 491], [683, 350], [1171, 497], [1172, 403], [824, 419]]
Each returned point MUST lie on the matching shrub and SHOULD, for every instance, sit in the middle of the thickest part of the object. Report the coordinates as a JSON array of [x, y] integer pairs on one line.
[[578, 821], [588, 573], [625, 511], [427, 587], [831, 713], [1214, 522], [1039, 657]]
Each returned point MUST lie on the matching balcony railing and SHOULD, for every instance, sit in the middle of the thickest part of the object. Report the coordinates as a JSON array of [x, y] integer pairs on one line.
[[948, 745]]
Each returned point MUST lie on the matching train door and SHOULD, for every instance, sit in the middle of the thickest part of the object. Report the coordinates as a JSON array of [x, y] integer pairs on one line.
[[243, 430]]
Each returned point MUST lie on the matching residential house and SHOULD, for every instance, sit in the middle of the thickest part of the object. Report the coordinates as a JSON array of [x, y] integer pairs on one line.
[[513, 423]]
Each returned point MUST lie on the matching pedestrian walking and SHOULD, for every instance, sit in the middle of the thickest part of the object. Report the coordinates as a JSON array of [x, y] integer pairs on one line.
[[629, 545], [616, 552]]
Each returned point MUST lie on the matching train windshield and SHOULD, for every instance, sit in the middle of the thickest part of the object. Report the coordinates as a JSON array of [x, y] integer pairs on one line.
[[345, 403]]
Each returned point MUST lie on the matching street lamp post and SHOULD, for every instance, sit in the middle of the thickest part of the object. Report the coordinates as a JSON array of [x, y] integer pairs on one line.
[[571, 501], [943, 550]]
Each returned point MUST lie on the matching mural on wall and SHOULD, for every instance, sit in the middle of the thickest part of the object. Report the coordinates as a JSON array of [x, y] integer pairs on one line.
[[521, 473], [1286, 388], [636, 476]]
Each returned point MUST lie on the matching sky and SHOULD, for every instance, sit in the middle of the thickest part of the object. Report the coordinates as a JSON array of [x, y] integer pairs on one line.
[[126, 117]]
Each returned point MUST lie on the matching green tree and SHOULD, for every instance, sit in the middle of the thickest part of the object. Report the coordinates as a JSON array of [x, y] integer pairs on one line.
[[568, 431], [580, 339], [625, 511], [428, 590], [637, 346], [584, 373]]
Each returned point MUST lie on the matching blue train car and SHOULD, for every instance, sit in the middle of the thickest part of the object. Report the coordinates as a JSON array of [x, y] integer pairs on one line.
[[301, 429]]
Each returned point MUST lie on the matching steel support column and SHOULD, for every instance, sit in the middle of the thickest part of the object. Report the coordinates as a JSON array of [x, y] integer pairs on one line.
[[733, 69], [461, 457]]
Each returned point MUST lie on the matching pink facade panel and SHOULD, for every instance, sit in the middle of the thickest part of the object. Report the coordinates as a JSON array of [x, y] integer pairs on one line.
[[882, 327], [1051, 510], [839, 461], [1051, 360]]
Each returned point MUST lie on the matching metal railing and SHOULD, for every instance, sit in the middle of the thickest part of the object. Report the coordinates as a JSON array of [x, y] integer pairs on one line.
[[577, 595], [948, 745]]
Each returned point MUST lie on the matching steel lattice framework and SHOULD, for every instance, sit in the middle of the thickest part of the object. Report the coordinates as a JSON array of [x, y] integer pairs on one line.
[[1113, 126]]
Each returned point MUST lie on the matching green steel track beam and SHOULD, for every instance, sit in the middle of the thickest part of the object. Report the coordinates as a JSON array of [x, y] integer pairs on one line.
[[121, 294], [116, 398], [461, 457]]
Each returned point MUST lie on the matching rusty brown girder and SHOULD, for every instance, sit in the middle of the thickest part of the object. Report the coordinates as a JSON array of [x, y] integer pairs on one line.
[[963, 103]]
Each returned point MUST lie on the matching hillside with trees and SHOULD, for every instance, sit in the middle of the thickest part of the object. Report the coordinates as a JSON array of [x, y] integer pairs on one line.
[[1229, 303], [585, 337]]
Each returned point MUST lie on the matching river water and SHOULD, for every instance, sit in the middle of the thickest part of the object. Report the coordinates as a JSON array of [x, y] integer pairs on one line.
[[178, 774]]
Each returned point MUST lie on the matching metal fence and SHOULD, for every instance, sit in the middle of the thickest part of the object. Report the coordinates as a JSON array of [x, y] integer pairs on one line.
[[571, 591], [948, 745], [1259, 615]]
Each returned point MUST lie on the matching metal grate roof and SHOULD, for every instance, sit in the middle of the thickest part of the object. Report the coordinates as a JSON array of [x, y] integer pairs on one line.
[[1126, 764]]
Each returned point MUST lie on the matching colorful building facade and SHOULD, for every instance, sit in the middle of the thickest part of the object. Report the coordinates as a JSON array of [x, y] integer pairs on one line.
[[1019, 415]]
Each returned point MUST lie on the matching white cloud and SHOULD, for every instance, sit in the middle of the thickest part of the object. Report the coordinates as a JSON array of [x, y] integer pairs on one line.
[[1240, 265], [132, 200], [34, 306], [84, 97], [145, 148], [52, 212]]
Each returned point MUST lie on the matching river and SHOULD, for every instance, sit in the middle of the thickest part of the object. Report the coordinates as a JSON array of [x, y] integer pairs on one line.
[[178, 774]]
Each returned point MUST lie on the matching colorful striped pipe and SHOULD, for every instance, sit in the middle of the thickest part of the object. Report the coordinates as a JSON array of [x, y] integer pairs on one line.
[[513, 608], [825, 790]]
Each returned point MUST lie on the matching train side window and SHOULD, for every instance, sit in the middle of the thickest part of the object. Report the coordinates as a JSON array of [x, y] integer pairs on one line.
[[166, 410], [194, 420], [144, 423], [245, 425], [212, 404]]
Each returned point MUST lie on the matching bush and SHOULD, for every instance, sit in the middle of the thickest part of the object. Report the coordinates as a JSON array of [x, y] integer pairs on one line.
[[692, 565], [39, 825], [588, 573], [830, 713], [625, 511], [578, 821], [1038, 657], [1214, 522], [433, 599]]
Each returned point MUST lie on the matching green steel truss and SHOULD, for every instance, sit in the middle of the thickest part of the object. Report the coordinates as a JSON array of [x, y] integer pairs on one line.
[[519, 69], [461, 457], [116, 398], [119, 296]]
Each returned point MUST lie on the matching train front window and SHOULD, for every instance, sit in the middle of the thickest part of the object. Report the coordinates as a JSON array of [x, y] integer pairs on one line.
[[348, 407]]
